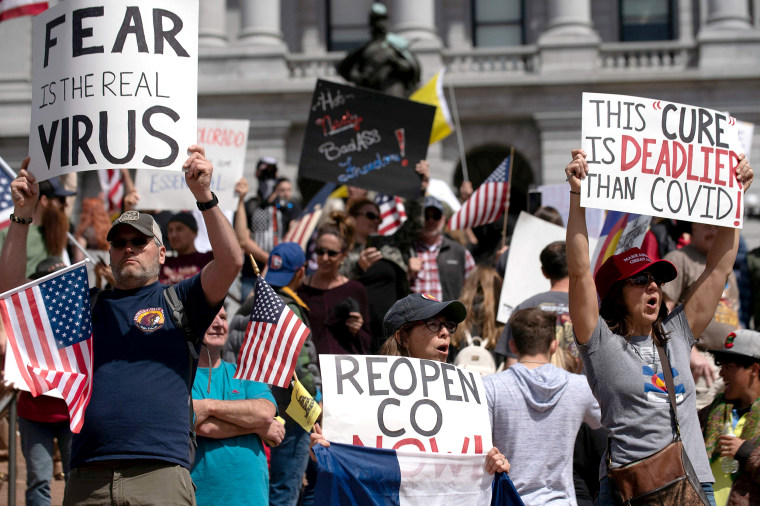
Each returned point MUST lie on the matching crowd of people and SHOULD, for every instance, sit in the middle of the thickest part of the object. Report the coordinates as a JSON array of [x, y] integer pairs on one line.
[[574, 380]]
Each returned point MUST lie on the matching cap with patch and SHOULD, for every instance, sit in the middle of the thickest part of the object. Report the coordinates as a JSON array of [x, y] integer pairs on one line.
[[740, 342], [284, 261], [629, 263], [142, 222], [420, 306]]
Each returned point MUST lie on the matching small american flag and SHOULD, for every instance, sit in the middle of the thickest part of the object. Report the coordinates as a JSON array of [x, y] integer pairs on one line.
[[15, 8], [6, 202], [488, 202], [113, 189], [392, 214], [49, 330], [273, 340]]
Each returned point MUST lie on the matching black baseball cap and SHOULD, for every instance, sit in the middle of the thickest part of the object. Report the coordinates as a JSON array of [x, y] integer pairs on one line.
[[53, 188], [420, 306]]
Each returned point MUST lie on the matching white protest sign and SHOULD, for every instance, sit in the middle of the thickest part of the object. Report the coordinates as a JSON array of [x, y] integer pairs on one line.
[[523, 277], [114, 85], [225, 141], [404, 403], [660, 158]]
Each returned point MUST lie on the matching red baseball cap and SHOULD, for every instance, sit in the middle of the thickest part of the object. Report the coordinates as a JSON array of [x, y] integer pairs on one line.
[[629, 263]]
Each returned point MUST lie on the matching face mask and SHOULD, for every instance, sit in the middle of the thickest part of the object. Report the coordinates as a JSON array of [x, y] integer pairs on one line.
[[266, 185]]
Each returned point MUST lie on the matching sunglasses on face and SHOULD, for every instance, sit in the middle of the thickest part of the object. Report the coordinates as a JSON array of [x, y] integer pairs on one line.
[[371, 216], [136, 242], [329, 252], [435, 216], [434, 325], [643, 279]]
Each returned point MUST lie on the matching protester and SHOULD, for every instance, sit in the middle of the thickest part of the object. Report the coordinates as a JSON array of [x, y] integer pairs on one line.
[[339, 311], [136, 434], [439, 265], [690, 262], [42, 420], [420, 326], [47, 226], [739, 408], [379, 267], [182, 229], [480, 294], [231, 417], [616, 341], [284, 202], [536, 410], [554, 268]]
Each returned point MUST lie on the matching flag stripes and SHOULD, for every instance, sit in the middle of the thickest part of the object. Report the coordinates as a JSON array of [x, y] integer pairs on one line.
[[487, 204], [15, 8]]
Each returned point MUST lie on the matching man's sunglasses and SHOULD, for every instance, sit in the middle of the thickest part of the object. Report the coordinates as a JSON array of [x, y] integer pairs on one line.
[[136, 242], [329, 252], [643, 279], [371, 216], [434, 325], [435, 216]]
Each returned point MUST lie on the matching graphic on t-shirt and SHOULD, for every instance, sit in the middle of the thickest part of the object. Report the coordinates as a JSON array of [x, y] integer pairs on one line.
[[149, 320], [655, 387]]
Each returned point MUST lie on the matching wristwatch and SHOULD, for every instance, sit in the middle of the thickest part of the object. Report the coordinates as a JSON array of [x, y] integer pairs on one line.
[[204, 206]]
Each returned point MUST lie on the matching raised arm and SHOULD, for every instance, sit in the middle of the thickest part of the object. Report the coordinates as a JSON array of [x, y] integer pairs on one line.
[[242, 232], [217, 275], [704, 295], [584, 311], [25, 193]]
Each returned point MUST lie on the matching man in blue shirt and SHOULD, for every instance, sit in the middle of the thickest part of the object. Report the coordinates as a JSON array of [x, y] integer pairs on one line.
[[134, 446], [231, 417]]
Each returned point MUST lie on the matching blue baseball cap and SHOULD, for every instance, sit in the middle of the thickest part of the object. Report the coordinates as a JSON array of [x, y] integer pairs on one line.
[[284, 261]]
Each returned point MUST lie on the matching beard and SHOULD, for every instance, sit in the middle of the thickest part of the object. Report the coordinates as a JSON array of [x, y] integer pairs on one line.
[[55, 224], [136, 275]]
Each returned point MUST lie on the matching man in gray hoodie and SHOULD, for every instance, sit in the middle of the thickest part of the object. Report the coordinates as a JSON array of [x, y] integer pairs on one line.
[[536, 410]]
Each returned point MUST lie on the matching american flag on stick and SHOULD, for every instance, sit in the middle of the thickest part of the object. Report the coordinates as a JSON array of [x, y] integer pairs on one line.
[[392, 214], [6, 201], [49, 331], [488, 203], [15, 8], [273, 339]]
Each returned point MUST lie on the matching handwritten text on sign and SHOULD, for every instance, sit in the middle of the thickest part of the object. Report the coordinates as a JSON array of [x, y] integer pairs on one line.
[[660, 158], [400, 402], [364, 138], [114, 84]]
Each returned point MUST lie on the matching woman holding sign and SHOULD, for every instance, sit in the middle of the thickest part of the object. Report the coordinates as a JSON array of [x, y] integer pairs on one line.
[[628, 341]]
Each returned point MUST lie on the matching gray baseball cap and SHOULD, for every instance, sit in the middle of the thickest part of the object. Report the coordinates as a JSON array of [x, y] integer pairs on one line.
[[420, 306], [740, 342], [142, 222]]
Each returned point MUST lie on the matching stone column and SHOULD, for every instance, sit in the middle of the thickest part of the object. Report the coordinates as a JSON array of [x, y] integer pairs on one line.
[[686, 20], [415, 21], [728, 31], [570, 41], [261, 23], [212, 23]]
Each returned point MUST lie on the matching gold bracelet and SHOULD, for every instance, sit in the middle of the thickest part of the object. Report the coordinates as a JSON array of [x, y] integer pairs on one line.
[[20, 221]]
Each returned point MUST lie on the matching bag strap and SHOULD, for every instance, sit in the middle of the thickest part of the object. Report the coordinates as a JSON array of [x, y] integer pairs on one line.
[[179, 315], [669, 384]]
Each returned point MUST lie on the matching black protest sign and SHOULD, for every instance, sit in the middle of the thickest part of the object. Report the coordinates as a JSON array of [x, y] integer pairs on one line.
[[363, 138]]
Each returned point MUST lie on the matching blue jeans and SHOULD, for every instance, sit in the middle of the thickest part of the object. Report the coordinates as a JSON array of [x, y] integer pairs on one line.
[[288, 465], [605, 495], [37, 447]]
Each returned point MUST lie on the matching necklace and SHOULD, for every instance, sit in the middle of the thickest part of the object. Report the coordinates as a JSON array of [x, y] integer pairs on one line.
[[531, 362]]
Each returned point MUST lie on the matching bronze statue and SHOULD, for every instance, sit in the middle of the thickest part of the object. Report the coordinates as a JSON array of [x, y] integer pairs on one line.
[[385, 62]]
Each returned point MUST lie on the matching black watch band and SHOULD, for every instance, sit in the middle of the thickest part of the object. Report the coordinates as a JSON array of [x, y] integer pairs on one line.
[[204, 206]]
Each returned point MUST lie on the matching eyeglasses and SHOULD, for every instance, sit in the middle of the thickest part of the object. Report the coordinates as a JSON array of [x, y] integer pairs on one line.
[[136, 242], [330, 253], [435, 215], [643, 279], [371, 216], [434, 325]]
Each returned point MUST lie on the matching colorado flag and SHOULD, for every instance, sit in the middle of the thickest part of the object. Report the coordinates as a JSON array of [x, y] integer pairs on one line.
[[349, 474]]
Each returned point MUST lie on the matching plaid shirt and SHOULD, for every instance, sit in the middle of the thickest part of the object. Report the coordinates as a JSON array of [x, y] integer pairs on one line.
[[428, 280]]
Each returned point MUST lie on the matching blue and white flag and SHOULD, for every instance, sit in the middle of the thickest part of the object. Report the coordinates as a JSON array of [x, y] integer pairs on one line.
[[349, 474]]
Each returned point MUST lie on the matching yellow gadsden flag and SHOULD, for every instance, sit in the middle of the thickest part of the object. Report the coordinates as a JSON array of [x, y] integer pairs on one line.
[[432, 93], [303, 408]]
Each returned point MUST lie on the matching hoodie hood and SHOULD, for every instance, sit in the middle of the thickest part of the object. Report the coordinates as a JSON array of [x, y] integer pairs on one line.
[[541, 387]]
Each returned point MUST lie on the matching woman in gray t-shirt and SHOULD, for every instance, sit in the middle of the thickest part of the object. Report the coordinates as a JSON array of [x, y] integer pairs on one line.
[[617, 339]]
